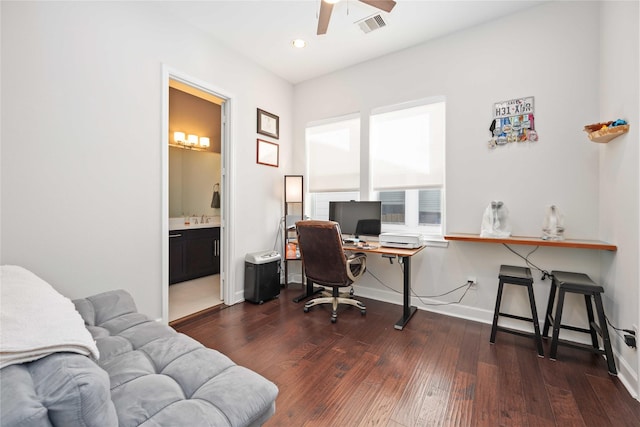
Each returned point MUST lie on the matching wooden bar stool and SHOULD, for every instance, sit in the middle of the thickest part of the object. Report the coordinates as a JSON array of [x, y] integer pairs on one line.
[[578, 283], [520, 276]]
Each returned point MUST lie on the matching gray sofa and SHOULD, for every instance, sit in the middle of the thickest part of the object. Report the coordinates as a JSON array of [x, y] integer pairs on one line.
[[147, 374]]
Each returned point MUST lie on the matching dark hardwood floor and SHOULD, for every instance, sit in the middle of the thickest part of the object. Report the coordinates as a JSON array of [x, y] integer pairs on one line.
[[438, 371]]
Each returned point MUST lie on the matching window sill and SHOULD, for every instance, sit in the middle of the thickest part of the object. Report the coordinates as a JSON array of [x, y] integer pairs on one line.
[[435, 242]]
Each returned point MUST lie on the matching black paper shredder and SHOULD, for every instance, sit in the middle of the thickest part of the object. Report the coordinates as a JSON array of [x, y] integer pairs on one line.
[[261, 276]]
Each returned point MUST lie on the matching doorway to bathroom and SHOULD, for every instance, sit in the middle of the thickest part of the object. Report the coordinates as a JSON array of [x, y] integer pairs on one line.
[[195, 200]]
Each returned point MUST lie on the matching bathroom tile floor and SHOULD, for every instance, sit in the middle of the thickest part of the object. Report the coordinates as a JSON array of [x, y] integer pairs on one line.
[[189, 297]]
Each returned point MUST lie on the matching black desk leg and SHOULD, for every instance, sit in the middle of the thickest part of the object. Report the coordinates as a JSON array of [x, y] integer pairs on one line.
[[310, 291], [407, 311]]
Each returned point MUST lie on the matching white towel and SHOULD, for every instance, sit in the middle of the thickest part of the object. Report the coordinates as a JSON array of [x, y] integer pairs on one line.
[[35, 320]]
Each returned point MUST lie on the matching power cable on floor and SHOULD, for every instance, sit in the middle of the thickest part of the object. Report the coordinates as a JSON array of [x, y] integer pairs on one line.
[[466, 285]]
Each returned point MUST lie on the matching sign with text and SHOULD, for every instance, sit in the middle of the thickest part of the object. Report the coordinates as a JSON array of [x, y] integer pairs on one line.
[[514, 107]]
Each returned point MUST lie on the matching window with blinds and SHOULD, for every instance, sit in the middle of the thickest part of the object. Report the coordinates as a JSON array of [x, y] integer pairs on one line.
[[430, 207], [407, 145], [393, 207], [412, 210], [333, 155], [404, 170]]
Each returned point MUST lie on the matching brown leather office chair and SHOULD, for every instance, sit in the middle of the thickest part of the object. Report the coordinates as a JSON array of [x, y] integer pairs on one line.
[[326, 264]]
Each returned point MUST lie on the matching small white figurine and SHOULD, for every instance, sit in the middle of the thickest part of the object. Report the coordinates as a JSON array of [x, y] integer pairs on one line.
[[553, 226], [495, 221]]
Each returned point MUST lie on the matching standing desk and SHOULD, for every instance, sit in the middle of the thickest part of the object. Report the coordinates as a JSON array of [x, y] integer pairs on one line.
[[405, 254]]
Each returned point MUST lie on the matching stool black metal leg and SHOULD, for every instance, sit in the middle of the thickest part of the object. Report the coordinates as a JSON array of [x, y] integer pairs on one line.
[[496, 312], [549, 313], [536, 325], [592, 330], [557, 321], [604, 330]]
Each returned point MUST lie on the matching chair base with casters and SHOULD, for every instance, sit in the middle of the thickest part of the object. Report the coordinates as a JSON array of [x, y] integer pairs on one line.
[[335, 297]]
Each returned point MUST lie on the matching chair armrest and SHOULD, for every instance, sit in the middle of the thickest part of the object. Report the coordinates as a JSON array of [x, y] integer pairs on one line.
[[356, 258]]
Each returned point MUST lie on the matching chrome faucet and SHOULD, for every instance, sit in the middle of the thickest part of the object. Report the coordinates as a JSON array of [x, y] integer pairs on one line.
[[202, 219]]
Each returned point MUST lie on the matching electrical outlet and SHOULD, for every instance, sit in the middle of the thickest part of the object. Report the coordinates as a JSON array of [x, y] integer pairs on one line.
[[472, 280], [630, 337]]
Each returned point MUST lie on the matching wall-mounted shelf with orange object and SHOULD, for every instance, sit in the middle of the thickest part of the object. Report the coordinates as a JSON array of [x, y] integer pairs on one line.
[[598, 134]]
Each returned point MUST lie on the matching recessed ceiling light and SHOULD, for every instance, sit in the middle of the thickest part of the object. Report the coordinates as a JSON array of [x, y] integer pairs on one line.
[[299, 43]]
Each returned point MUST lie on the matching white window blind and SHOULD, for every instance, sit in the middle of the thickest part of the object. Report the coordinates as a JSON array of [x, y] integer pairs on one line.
[[333, 150], [407, 146]]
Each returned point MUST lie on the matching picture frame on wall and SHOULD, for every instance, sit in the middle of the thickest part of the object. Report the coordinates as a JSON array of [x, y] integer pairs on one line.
[[268, 124], [268, 153]]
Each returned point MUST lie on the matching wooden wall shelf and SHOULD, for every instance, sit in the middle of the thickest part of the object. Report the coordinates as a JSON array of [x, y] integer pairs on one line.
[[596, 134], [534, 241]]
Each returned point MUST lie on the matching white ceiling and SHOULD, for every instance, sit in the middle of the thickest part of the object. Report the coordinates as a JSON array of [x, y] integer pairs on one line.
[[264, 29]]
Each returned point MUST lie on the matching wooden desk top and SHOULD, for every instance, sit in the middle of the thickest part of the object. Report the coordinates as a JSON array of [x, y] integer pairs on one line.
[[534, 241], [375, 248]]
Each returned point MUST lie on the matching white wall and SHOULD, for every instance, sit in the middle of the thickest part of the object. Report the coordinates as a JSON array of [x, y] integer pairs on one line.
[[81, 143], [549, 52], [619, 180]]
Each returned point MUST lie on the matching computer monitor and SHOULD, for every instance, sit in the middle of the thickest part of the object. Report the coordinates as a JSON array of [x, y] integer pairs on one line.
[[357, 218]]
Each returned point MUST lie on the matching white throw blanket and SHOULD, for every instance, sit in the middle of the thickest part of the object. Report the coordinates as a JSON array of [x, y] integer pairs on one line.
[[35, 320]]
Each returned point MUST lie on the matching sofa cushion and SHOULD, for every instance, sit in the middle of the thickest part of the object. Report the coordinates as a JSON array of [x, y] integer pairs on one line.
[[20, 403], [62, 389], [162, 378]]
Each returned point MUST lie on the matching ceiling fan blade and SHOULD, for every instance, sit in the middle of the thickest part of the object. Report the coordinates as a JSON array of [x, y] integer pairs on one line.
[[386, 5], [325, 15]]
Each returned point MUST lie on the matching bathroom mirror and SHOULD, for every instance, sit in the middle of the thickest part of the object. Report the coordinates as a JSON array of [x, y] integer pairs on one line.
[[192, 177]]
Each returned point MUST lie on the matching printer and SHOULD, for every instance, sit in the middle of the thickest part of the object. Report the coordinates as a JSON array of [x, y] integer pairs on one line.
[[401, 240]]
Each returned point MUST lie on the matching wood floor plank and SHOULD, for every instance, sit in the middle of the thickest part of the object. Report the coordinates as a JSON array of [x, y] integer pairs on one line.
[[565, 409], [607, 393], [437, 371], [537, 400], [468, 359], [486, 403], [422, 383], [461, 397], [440, 382]]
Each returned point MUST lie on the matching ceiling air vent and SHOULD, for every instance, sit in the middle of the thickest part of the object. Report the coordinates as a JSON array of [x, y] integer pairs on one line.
[[371, 23]]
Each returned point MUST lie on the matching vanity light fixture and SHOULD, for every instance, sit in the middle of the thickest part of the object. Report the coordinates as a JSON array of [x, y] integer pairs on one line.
[[179, 138], [191, 141]]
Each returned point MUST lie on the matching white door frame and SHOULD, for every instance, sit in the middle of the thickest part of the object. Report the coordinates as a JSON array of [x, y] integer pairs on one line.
[[226, 185]]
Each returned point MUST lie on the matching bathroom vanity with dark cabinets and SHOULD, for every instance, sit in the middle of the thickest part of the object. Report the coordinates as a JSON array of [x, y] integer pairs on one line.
[[193, 253]]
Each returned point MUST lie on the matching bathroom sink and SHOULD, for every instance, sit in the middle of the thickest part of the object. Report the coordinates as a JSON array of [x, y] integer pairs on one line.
[[194, 222]]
